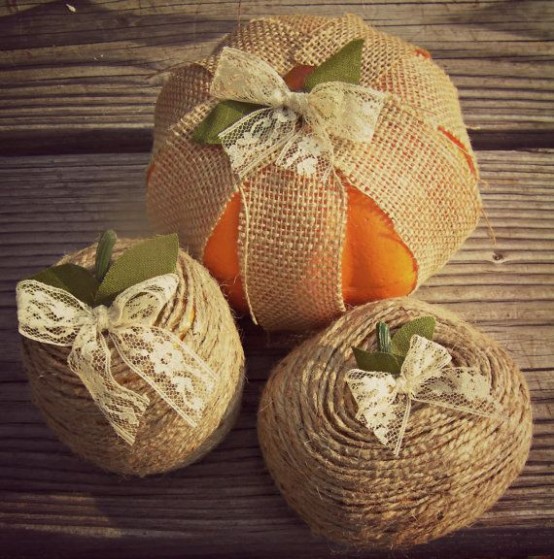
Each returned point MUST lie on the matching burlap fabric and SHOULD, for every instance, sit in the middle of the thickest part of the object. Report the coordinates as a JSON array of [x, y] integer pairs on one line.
[[198, 315], [344, 483], [419, 168]]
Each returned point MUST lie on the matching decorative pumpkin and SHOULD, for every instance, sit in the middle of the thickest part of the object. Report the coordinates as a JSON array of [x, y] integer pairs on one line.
[[290, 243], [379, 460], [141, 380]]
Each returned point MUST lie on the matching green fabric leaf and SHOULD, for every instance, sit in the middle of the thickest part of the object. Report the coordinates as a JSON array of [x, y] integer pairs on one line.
[[104, 253], [71, 278], [423, 326], [146, 260], [221, 117], [344, 66], [377, 361], [383, 337]]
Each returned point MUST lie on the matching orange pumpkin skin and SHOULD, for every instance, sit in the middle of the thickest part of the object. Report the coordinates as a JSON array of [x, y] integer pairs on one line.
[[221, 255], [296, 78], [376, 263]]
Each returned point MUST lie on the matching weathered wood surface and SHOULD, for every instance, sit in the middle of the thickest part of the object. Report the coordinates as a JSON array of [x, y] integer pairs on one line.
[[54, 204], [89, 77], [74, 84]]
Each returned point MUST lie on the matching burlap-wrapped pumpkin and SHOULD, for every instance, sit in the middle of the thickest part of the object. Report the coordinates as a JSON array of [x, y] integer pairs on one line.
[[335, 471], [295, 248]]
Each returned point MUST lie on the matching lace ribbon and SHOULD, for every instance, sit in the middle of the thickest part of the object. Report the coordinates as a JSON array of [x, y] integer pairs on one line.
[[54, 316], [384, 402], [331, 110]]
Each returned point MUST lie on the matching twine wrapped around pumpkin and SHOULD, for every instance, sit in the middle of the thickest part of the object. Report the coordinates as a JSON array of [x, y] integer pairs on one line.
[[340, 478], [199, 316], [291, 248]]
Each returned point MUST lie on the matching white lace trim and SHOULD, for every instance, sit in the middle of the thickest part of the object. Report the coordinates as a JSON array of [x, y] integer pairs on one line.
[[53, 316], [384, 401]]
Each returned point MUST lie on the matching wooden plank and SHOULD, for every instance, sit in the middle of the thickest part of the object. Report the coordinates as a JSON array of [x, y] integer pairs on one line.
[[68, 199], [88, 79], [227, 505], [226, 502], [108, 544]]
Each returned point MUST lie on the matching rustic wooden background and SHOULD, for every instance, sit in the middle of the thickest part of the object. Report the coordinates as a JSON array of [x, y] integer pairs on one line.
[[78, 84]]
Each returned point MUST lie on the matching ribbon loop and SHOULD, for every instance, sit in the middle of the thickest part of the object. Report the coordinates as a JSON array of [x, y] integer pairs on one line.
[[180, 377], [384, 402], [424, 360], [241, 76], [52, 315], [347, 111], [144, 301]]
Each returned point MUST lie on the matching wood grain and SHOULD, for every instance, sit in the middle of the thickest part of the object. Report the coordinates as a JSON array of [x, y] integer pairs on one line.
[[227, 505], [87, 79], [78, 84]]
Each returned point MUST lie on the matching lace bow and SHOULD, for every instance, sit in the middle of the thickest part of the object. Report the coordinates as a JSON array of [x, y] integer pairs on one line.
[[54, 316], [332, 109], [384, 402]]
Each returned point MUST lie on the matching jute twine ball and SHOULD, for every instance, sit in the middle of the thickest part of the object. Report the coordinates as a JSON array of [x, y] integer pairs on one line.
[[198, 315], [350, 488]]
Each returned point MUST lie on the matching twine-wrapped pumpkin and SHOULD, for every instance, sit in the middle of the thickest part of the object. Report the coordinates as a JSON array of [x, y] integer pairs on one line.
[[196, 316], [291, 242], [335, 471]]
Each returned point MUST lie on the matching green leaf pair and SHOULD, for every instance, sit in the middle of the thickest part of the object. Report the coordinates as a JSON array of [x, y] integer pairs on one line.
[[392, 351], [143, 261], [343, 66]]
